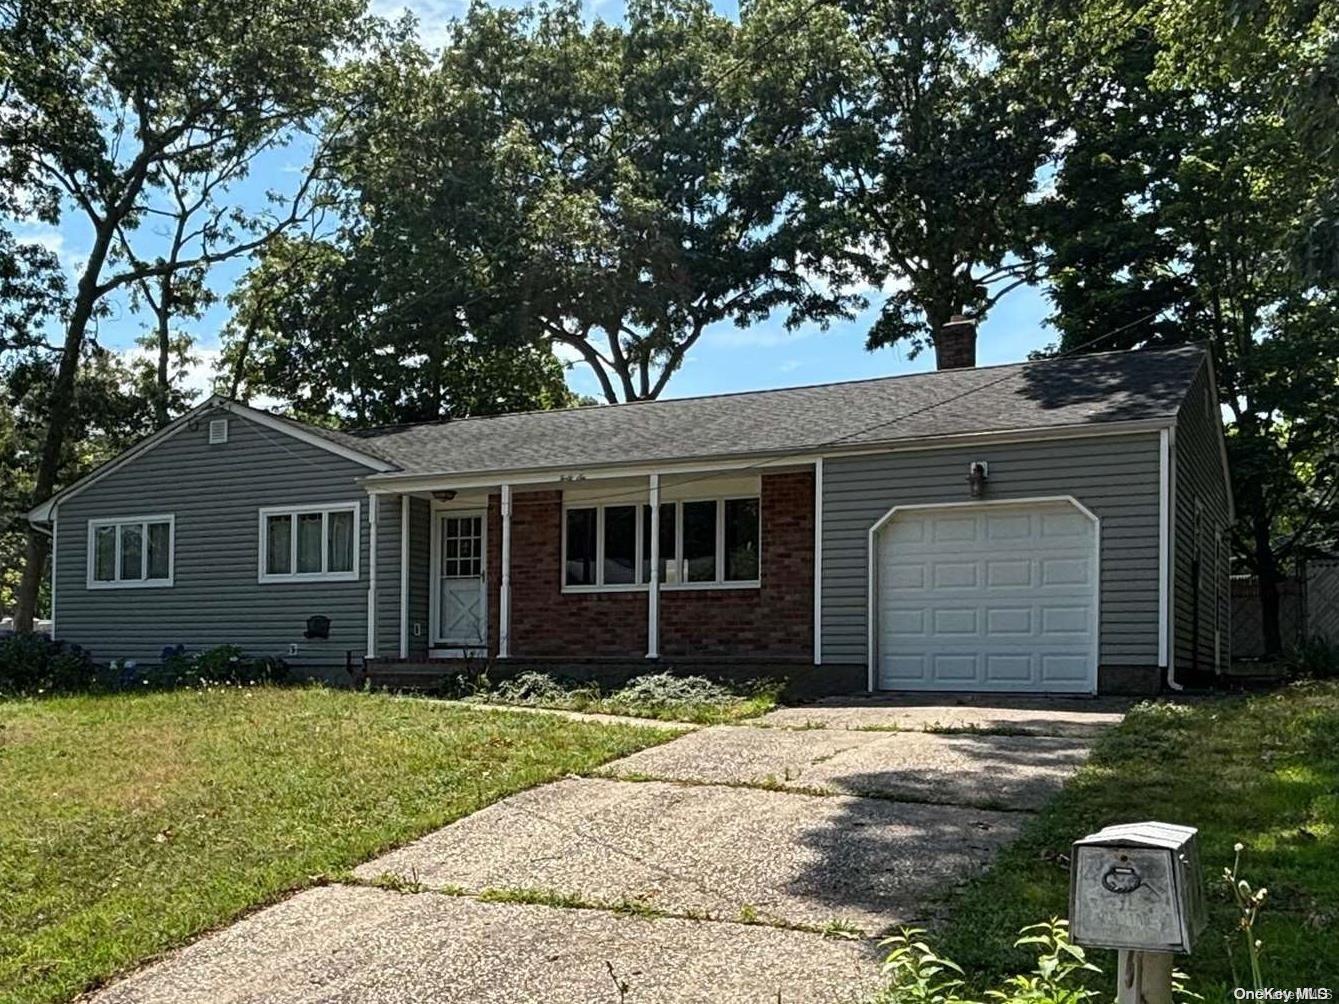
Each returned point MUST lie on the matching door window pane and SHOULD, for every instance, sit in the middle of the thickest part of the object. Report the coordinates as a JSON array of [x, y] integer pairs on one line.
[[620, 544], [278, 544], [309, 541], [160, 550], [341, 542], [741, 540], [132, 551], [580, 569], [699, 541], [104, 553], [669, 567]]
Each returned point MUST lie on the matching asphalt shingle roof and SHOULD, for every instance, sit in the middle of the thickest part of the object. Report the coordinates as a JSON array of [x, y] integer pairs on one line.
[[1045, 394]]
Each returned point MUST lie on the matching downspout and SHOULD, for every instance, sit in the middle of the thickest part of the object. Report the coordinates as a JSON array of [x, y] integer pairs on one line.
[[1171, 560]]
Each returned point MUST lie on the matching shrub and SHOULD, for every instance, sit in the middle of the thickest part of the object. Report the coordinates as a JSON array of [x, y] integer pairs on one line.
[[1315, 658], [535, 688], [916, 975], [223, 664], [31, 664], [663, 690]]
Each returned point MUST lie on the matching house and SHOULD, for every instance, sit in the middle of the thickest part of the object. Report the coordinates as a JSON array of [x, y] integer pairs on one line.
[[1056, 526]]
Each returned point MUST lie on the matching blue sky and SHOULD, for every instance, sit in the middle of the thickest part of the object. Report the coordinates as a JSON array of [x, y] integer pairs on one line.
[[726, 359]]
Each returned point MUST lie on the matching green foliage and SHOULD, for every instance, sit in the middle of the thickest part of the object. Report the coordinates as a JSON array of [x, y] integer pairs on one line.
[[911, 144], [123, 113], [31, 665], [1174, 205], [917, 975], [223, 664], [1314, 658]]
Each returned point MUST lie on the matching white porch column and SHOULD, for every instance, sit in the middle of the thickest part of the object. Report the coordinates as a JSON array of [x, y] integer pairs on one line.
[[404, 576], [653, 587], [372, 499], [818, 562], [504, 596]]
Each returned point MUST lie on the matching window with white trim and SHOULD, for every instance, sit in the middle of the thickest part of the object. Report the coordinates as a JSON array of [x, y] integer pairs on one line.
[[131, 551], [703, 542], [309, 543]]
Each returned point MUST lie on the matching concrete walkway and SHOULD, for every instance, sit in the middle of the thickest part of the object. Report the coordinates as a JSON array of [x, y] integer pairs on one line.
[[755, 862]]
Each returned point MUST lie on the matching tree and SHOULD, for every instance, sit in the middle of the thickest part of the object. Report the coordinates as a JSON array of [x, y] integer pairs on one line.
[[404, 311], [1171, 215], [103, 98], [661, 213], [546, 182], [913, 145]]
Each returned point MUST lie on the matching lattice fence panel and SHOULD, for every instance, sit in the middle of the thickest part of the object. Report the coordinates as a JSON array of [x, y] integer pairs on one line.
[[1322, 599]]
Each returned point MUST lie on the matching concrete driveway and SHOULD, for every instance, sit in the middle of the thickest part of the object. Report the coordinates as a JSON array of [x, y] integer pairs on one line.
[[756, 862]]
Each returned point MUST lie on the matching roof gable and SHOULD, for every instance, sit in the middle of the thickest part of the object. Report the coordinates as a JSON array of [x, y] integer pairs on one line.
[[42, 513]]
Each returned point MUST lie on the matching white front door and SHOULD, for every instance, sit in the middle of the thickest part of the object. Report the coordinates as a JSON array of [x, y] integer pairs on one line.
[[461, 617], [989, 597]]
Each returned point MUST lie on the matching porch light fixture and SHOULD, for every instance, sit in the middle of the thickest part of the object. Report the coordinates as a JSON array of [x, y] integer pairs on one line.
[[977, 473], [444, 496]]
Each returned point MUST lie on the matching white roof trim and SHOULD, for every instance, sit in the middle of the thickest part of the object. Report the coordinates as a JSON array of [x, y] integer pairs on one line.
[[44, 512], [287, 427]]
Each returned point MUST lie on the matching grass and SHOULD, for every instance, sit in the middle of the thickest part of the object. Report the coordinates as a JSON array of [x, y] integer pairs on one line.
[[658, 696], [131, 823], [1262, 770]]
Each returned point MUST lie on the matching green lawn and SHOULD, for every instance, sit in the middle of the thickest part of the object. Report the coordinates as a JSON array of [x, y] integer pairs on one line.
[[1262, 770], [130, 823]]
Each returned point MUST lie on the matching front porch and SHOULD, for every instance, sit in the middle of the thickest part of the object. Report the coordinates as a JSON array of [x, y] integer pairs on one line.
[[675, 567]]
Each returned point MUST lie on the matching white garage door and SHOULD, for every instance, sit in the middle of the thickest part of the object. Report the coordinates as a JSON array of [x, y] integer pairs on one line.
[[993, 597]]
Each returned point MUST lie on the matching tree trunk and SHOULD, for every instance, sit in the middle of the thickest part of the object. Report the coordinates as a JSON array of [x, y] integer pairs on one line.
[[1267, 575], [60, 407], [162, 386]]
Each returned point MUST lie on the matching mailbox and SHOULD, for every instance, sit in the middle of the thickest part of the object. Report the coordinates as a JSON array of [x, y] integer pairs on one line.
[[1137, 886]]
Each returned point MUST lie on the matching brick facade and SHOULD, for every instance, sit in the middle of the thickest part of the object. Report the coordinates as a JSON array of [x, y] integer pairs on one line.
[[772, 621]]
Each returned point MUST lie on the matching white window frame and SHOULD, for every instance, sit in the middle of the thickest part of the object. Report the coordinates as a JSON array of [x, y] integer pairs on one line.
[[144, 522], [293, 511], [720, 582]]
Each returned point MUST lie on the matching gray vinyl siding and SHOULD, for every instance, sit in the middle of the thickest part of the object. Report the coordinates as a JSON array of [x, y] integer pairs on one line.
[[1114, 476], [420, 557], [1200, 482], [215, 493], [388, 576]]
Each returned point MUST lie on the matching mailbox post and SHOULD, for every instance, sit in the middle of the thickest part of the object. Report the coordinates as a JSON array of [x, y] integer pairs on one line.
[[1138, 888]]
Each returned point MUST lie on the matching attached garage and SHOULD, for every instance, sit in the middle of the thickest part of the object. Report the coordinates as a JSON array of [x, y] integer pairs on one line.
[[996, 596]]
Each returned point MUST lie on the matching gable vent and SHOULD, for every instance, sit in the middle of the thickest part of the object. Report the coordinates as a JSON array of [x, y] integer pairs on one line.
[[218, 431]]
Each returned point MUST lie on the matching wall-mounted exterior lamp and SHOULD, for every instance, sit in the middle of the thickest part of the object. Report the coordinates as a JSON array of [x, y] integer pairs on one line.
[[977, 473]]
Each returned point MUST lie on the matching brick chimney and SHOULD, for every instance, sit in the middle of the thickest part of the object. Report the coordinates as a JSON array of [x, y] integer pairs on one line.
[[955, 344]]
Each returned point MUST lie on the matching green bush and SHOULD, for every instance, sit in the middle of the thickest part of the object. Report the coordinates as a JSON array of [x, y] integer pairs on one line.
[[224, 664], [916, 975], [1316, 658], [30, 664], [535, 688], [664, 690]]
